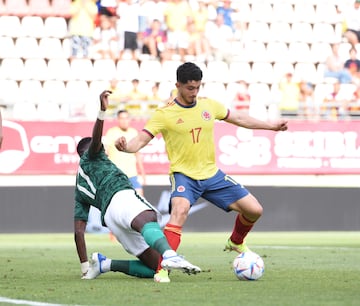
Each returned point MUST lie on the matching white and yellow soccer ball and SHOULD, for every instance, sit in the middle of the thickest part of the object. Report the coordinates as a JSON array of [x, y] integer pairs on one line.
[[248, 266]]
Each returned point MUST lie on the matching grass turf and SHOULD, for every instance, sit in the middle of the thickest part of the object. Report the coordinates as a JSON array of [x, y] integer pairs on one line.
[[301, 268]]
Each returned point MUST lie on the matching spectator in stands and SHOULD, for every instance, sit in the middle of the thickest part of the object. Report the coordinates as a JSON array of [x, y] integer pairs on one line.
[[81, 26], [240, 31], [220, 37], [151, 10], [353, 65], [352, 23], [128, 26], [1, 130], [201, 15], [227, 11], [306, 99], [290, 96], [105, 40], [107, 10], [154, 95], [355, 102], [177, 14], [172, 95], [135, 94], [336, 104], [241, 99], [154, 40], [198, 44], [116, 99], [154, 100], [334, 66]]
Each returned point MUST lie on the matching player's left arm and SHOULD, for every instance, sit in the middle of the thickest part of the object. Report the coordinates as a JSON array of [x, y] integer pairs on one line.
[[96, 144], [79, 237], [242, 119]]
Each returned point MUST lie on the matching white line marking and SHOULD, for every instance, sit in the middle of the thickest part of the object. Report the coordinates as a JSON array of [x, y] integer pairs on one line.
[[284, 247], [25, 302]]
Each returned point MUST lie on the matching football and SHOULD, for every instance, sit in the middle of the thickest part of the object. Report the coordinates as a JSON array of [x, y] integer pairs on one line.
[[248, 266]]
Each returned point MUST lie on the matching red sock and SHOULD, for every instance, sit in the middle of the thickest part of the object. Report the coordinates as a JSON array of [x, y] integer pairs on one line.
[[241, 228], [173, 236]]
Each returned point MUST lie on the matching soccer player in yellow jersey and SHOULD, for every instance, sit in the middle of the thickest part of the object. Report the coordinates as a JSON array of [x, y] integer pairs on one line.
[[187, 126], [130, 164]]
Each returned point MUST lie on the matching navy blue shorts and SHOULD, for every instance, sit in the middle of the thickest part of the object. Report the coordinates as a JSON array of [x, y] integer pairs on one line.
[[220, 190]]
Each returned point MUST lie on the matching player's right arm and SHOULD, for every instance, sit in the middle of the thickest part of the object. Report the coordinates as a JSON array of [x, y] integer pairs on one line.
[[96, 144], [135, 144]]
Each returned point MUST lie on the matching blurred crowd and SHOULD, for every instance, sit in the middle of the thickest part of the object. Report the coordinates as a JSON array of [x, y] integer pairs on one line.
[[164, 30], [207, 30], [298, 59]]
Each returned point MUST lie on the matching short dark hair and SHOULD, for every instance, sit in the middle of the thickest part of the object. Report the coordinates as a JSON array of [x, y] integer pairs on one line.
[[121, 111], [83, 145], [188, 72]]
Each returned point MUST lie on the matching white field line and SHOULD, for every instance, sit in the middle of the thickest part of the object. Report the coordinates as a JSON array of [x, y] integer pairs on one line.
[[287, 247], [25, 302]]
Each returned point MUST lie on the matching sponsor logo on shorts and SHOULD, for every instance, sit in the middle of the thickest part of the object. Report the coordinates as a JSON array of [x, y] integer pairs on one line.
[[180, 188]]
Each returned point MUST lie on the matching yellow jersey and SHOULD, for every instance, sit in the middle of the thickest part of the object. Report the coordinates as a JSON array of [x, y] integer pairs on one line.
[[126, 162], [188, 132]]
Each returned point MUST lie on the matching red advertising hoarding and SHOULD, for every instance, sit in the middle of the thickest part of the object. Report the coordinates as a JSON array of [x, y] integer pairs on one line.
[[306, 148]]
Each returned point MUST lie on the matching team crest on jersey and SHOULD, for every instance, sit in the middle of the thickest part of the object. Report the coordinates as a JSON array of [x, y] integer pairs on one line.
[[180, 188], [206, 115]]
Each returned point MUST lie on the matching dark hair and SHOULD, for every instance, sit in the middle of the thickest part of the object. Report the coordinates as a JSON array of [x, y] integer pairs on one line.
[[121, 111], [83, 145], [188, 72], [353, 49]]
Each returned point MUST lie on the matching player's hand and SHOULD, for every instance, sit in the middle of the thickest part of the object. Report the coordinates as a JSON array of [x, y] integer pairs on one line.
[[84, 269], [281, 125], [104, 101], [85, 276], [121, 144]]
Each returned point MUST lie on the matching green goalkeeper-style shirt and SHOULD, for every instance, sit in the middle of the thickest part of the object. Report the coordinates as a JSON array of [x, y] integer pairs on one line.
[[97, 180]]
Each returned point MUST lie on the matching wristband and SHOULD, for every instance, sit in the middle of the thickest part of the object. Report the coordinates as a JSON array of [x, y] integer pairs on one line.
[[101, 115], [84, 267]]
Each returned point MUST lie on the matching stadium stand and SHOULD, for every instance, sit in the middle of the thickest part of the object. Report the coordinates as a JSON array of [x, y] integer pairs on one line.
[[52, 48], [18, 8], [12, 69], [7, 49], [150, 71], [281, 36], [61, 8], [10, 26], [127, 70], [33, 26], [40, 8], [81, 69], [35, 69]]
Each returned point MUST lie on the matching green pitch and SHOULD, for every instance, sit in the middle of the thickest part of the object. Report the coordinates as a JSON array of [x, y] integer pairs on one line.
[[301, 268]]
